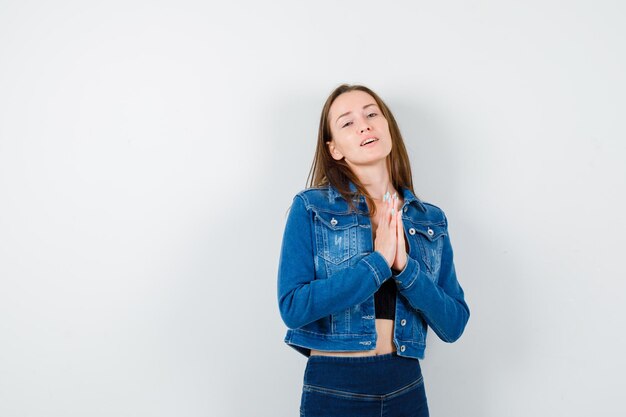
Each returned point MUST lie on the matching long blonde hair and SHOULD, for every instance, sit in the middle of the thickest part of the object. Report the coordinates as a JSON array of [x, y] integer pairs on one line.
[[326, 170]]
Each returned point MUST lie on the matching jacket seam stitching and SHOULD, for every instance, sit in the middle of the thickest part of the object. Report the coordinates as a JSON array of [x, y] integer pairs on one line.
[[334, 335], [414, 279], [374, 270], [441, 331]]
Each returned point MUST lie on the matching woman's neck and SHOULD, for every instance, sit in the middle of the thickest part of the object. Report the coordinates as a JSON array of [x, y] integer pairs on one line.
[[376, 181]]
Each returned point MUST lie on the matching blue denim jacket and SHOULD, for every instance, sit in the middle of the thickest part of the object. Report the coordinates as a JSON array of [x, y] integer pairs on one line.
[[328, 273]]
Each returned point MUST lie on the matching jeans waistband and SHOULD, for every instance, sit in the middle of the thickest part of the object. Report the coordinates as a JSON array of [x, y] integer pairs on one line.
[[353, 359], [377, 374]]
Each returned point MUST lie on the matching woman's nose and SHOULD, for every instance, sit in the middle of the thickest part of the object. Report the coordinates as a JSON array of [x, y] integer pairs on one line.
[[364, 127]]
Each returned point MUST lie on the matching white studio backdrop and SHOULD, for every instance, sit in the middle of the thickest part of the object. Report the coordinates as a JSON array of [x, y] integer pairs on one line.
[[149, 152]]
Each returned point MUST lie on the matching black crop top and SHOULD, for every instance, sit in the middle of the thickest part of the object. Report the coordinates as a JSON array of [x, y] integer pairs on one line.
[[385, 300]]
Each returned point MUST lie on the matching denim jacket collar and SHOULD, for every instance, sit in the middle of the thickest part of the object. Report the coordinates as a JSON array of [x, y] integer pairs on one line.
[[409, 197]]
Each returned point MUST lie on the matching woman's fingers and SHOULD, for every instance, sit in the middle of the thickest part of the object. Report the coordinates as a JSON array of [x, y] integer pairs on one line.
[[386, 241], [400, 257], [386, 211], [400, 230]]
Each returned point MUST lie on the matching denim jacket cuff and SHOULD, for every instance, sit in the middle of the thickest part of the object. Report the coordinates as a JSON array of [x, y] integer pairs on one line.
[[378, 264], [409, 274]]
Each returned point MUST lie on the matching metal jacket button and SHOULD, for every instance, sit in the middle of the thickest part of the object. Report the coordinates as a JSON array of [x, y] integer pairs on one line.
[[333, 221], [430, 232], [402, 348], [406, 208], [402, 322], [411, 231]]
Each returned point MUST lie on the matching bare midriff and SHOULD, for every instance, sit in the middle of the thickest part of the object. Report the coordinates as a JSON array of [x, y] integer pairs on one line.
[[384, 342]]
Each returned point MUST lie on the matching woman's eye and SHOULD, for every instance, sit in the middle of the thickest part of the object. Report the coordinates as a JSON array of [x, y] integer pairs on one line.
[[346, 124], [372, 114]]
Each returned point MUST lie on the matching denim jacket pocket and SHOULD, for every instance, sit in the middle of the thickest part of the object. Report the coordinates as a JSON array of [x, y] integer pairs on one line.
[[336, 235], [428, 239]]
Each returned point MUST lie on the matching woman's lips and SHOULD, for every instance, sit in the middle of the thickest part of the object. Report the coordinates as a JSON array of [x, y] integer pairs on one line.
[[371, 143]]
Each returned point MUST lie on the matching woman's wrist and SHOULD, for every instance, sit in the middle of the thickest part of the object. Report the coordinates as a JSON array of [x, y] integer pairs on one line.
[[396, 271]]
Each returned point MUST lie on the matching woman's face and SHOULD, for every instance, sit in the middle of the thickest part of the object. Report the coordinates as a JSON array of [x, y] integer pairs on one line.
[[355, 119]]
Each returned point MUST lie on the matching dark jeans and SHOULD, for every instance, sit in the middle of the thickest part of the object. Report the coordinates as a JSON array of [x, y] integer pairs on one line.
[[383, 385]]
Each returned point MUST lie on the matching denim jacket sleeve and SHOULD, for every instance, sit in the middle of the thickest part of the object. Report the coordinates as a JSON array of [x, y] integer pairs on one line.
[[441, 302], [303, 297]]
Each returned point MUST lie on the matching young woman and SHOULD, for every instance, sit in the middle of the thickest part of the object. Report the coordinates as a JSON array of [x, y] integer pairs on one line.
[[365, 268]]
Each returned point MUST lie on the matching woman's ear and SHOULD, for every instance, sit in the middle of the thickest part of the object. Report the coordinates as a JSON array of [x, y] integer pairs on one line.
[[334, 152]]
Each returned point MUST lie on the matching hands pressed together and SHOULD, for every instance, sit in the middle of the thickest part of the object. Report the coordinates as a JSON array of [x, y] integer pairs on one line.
[[390, 233]]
